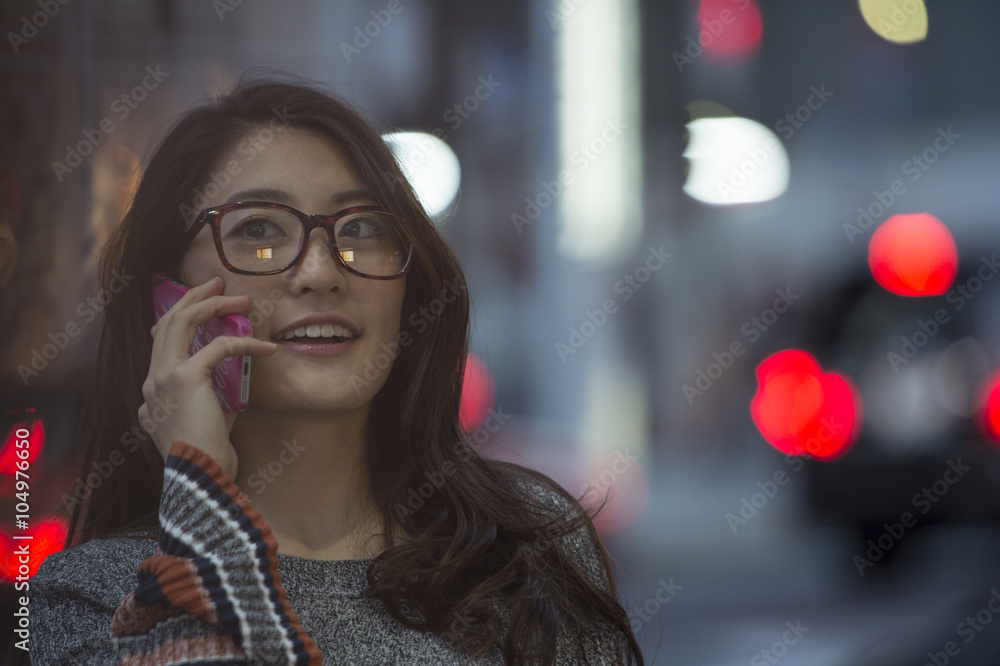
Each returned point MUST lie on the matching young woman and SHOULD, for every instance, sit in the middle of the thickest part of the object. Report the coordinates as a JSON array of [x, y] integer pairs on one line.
[[344, 516]]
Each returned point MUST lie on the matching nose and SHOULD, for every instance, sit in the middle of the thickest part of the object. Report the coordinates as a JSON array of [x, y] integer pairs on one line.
[[318, 269]]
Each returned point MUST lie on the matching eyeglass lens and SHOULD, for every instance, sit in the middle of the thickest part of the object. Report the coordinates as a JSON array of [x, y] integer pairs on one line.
[[267, 239]]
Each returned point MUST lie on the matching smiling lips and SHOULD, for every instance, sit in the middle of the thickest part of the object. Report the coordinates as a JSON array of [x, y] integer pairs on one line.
[[318, 345], [319, 332]]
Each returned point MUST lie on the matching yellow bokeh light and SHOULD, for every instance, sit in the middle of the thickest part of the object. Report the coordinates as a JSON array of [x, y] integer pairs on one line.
[[900, 21]]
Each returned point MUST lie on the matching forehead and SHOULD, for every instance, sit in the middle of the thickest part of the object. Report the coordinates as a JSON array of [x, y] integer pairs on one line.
[[301, 162]]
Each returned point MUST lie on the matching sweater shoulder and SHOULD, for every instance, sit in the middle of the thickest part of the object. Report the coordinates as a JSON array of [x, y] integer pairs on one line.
[[583, 545], [101, 571], [539, 489]]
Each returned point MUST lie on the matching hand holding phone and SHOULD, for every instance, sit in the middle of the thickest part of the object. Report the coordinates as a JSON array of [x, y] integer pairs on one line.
[[180, 398], [231, 377]]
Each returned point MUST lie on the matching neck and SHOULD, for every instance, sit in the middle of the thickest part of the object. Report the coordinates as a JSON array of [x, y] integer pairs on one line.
[[306, 474]]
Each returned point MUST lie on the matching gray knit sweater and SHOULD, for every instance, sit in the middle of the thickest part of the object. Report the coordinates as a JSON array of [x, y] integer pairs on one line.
[[214, 590]]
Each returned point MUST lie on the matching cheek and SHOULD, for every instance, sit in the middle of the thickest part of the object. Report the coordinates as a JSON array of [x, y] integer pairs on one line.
[[389, 311], [397, 309], [197, 268], [266, 300]]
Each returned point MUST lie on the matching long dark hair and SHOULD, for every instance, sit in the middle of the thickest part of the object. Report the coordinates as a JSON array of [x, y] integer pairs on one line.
[[477, 540]]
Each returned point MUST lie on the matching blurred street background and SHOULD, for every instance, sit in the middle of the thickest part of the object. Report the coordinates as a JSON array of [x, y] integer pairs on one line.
[[731, 261]]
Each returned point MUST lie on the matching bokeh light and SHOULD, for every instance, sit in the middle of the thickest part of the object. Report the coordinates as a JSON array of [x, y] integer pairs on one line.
[[46, 538], [36, 440], [431, 167], [730, 31], [991, 408], [899, 21], [913, 255], [800, 410], [904, 413], [734, 160], [478, 393]]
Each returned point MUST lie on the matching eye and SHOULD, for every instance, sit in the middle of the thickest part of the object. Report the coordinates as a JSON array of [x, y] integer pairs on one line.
[[258, 227], [365, 225]]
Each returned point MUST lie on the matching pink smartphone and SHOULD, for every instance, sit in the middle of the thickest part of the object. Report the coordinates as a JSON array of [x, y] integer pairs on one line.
[[231, 377]]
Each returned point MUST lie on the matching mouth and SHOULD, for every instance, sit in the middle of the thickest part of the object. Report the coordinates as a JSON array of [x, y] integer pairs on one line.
[[317, 334]]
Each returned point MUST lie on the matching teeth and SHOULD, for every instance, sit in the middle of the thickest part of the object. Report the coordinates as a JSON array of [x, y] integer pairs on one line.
[[317, 331]]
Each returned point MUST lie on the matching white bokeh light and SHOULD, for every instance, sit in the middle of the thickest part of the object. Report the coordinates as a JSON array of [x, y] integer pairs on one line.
[[600, 130], [733, 161], [431, 167]]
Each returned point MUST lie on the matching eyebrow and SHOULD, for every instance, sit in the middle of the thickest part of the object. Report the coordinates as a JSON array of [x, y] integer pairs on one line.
[[280, 196]]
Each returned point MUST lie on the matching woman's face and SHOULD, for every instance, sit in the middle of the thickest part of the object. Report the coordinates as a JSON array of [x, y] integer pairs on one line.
[[306, 171]]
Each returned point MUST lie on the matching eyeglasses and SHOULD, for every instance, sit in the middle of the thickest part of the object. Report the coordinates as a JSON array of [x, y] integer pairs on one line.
[[263, 238]]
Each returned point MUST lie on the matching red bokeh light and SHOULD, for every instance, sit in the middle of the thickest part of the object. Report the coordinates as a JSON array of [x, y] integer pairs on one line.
[[730, 32], [47, 538], [800, 410], [478, 393], [991, 407], [36, 440], [913, 255]]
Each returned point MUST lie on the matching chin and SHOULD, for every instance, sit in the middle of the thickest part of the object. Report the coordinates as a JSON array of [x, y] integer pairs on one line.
[[313, 402], [311, 387], [329, 393]]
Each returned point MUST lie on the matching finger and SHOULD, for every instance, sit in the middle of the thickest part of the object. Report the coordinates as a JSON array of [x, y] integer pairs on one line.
[[191, 295], [195, 294], [179, 331], [199, 312], [226, 346]]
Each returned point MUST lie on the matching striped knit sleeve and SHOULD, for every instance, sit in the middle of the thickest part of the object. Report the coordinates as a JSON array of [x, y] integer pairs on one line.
[[212, 593]]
